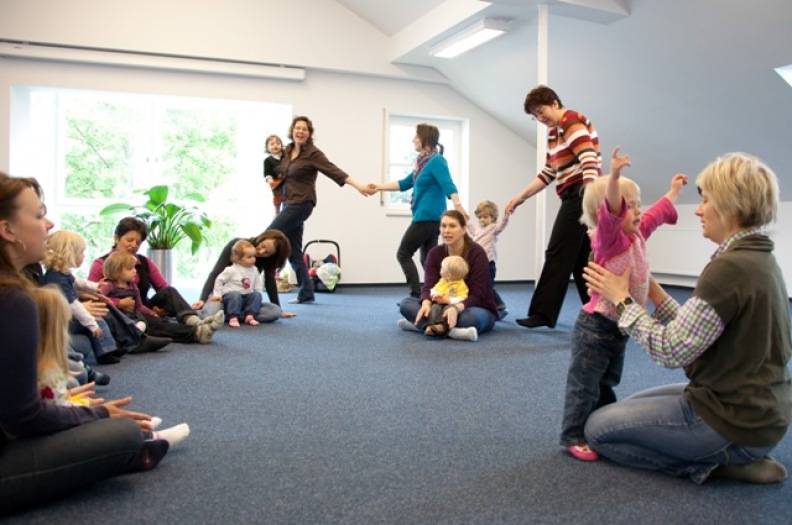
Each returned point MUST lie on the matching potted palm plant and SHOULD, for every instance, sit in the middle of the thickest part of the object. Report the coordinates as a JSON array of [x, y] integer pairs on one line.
[[169, 223]]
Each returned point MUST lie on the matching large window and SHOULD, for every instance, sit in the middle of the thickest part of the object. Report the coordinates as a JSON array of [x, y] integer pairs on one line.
[[90, 149], [401, 155]]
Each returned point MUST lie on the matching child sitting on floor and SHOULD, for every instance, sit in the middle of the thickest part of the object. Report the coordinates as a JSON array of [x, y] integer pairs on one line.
[[449, 290], [239, 286], [119, 270], [53, 373], [66, 250]]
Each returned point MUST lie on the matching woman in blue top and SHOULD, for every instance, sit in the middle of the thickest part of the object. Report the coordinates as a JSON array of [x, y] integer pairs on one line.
[[432, 185]]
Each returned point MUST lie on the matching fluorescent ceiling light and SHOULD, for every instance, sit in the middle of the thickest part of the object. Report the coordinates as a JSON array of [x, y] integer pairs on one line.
[[786, 73], [147, 61], [472, 36]]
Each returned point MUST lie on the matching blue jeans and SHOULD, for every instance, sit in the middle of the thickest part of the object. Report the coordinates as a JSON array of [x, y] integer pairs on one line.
[[267, 313], [291, 222], [658, 429], [238, 305], [594, 370], [101, 345], [480, 318]]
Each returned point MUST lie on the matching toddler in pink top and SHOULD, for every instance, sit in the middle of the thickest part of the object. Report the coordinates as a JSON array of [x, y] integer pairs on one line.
[[618, 230]]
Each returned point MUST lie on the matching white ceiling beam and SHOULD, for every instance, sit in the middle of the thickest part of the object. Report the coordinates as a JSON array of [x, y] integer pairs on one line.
[[442, 18]]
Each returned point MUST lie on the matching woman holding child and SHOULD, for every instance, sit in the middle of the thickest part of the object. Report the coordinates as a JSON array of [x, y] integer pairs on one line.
[[732, 337], [474, 315], [40, 453]]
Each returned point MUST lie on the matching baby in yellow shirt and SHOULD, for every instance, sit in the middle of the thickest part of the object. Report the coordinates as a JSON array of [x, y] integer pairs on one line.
[[449, 290]]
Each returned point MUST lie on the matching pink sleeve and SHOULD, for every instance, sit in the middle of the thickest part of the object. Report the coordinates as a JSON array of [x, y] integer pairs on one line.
[[661, 212], [155, 276], [140, 307], [96, 272], [105, 289], [608, 239]]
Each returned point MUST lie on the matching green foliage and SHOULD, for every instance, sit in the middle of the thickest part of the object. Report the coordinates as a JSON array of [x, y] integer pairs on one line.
[[98, 151], [168, 222]]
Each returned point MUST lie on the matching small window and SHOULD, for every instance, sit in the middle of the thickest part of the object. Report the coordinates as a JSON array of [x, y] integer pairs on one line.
[[401, 155]]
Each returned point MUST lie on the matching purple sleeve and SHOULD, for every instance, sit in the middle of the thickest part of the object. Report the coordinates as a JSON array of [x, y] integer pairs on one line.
[[432, 270], [22, 413], [139, 306]]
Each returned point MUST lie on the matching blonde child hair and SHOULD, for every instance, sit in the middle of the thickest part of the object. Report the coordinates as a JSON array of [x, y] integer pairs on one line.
[[594, 194], [456, 266], [63, 247], [239, 248], [117, 262], [54, 318], [486, 207]]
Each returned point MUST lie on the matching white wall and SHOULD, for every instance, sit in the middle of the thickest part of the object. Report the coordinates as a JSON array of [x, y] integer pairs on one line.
[[678, 253], [346, 109], [347, 113]]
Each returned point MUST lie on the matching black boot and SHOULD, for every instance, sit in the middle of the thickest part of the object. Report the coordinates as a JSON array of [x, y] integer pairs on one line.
[[150, 343]]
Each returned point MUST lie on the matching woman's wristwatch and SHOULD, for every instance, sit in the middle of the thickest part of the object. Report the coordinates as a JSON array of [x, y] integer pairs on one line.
[[622, 305]]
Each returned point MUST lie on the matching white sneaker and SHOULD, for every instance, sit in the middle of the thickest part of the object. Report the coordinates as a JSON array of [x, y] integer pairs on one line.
[[464, 334], [404, 324]]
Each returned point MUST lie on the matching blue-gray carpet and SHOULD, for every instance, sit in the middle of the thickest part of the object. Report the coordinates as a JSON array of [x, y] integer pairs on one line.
[[338, 416]]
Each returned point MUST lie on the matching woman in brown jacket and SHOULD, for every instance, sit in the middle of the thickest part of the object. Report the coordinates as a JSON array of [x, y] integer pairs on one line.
[[300, 164]]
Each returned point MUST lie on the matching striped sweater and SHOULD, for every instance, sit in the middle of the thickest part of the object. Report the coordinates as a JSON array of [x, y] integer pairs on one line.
[[573, 152]]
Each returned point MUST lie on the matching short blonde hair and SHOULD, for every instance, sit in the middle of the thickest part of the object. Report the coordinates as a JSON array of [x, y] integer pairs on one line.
[[116, 263], [239, 248], [594, 194], [456, 266], [63, 247], [486, 207], [54, 317], [741, 188]]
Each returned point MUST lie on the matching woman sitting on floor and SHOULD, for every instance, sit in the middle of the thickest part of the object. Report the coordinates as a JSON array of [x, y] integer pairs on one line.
[[39, 460], [477, 313]]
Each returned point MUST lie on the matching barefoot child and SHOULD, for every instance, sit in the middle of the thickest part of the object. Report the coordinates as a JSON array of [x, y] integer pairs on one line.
[[618, 230]]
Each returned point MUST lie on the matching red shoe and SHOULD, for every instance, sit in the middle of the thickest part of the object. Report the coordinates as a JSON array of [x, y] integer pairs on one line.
[[583, 452]]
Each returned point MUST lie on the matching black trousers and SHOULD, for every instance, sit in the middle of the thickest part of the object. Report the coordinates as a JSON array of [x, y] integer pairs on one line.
[[39, 469], [170, 300], [419, 236], [567, 253]]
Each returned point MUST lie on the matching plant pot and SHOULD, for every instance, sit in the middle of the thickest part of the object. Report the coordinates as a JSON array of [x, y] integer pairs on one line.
[[165, 260]]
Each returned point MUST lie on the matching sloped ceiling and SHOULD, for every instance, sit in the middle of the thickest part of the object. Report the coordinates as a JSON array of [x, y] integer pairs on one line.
[[674, 82]]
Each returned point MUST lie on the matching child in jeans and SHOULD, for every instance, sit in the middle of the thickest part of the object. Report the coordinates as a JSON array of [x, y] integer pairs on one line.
[[239, 286], [485, 233], [120, 272], [618, 230], [66, 250], [53, 372], [449, 290], [274, 146]]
